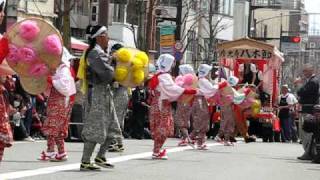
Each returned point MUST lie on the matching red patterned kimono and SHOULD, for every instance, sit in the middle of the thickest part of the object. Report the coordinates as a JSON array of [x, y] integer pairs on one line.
[[56, 125], [6, 138], [161, 120], [183, 115], [201, 117], [58, 115]]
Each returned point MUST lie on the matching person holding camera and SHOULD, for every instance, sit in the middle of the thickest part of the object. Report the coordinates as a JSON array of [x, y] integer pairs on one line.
[[308, 94], [312, 125]]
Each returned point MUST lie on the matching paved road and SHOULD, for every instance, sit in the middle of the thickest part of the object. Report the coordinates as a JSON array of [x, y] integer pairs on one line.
[[256, 161]]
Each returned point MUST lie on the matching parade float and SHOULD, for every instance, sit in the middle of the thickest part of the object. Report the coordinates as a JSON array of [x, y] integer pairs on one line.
[[267, 59]]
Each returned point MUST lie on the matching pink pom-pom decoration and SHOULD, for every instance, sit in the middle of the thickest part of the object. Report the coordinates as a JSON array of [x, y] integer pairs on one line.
[[229, 98], [13, 55], [53, 45], [29, 30], [26, 54], [188, 80], [38, 70], [216, 99], [179, 81], [247, 102]]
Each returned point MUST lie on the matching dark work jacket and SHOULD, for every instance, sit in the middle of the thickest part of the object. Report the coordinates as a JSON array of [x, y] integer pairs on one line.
[[139, 96], [99, 70], [309, 95], [284, 113]]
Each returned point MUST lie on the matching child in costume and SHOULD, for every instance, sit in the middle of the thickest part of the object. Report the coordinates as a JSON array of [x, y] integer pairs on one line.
[[5, 128], [227, 124], [163, 91], [183, 112], [200, 110], [60, 103]]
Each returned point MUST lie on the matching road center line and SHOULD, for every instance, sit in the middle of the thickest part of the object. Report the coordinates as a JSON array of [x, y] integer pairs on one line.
[[54, 169]]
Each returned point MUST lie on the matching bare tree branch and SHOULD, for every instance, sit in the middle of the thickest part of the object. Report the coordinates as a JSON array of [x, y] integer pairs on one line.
[[192, 27], [72, 5], [57, 7]]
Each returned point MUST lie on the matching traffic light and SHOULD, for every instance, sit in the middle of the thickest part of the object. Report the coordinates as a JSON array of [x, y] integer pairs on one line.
[[291, 39], [296, 39]]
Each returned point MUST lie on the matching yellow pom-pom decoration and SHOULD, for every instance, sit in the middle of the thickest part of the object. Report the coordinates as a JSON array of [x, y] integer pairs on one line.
[[144, 58], [137, 64], [121, 73], [138, 77], [255, 107], [124, 55]]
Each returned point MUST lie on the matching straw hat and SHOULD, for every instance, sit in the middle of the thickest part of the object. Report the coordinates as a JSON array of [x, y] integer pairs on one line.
[[5, 69], [233, 81], [34, 85], [42, 42], [238, 97]]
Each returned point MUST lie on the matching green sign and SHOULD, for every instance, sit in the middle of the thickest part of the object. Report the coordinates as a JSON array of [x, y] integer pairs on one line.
[[167, 30]]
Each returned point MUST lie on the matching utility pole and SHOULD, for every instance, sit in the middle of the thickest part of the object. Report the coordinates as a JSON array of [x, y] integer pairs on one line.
[[150, 19], [141, 13], [212, 4], [66, 36], [178, 21], [249, 18], [281, 33], [104, 12], [3, 26], [178, 34], [198, 55]]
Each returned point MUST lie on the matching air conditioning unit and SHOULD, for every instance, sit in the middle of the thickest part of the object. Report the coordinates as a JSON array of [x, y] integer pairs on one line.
[[312, 54], [312, 45]]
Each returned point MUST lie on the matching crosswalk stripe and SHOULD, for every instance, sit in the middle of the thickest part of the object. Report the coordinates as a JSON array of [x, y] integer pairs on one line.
[[66, 167]]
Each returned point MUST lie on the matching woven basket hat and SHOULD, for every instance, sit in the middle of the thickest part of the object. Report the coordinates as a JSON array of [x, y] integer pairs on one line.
[[5, 69], [34, 85], [35, 51]]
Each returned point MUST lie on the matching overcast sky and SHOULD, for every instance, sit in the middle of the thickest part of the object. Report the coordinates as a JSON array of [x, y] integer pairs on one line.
[[313, 6]]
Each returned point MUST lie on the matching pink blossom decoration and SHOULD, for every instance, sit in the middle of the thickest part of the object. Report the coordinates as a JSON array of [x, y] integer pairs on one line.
[[179, 81], [229, 98], [13, 55], [188, 80], [38, 70], [27, 55], [53, 45], [29, 30], [216, 99]]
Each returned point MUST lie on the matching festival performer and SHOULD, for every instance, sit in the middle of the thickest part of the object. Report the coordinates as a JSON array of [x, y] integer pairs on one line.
[[183, 112], [100, 114], [6, 138], [227, 123], [163, 91], [4, 46], [60, 102], [200, 110], [242, 112], [120, 98]]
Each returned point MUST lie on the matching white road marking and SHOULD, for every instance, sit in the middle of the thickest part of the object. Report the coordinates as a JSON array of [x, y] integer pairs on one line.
[[54, 169]]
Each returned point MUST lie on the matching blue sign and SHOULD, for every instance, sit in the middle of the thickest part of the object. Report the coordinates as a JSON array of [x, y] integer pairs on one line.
[[178, 55]]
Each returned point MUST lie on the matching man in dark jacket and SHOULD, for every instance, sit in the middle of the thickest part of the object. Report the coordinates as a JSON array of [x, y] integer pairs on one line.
[[308, 96], [139, 111], [312, 125]]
